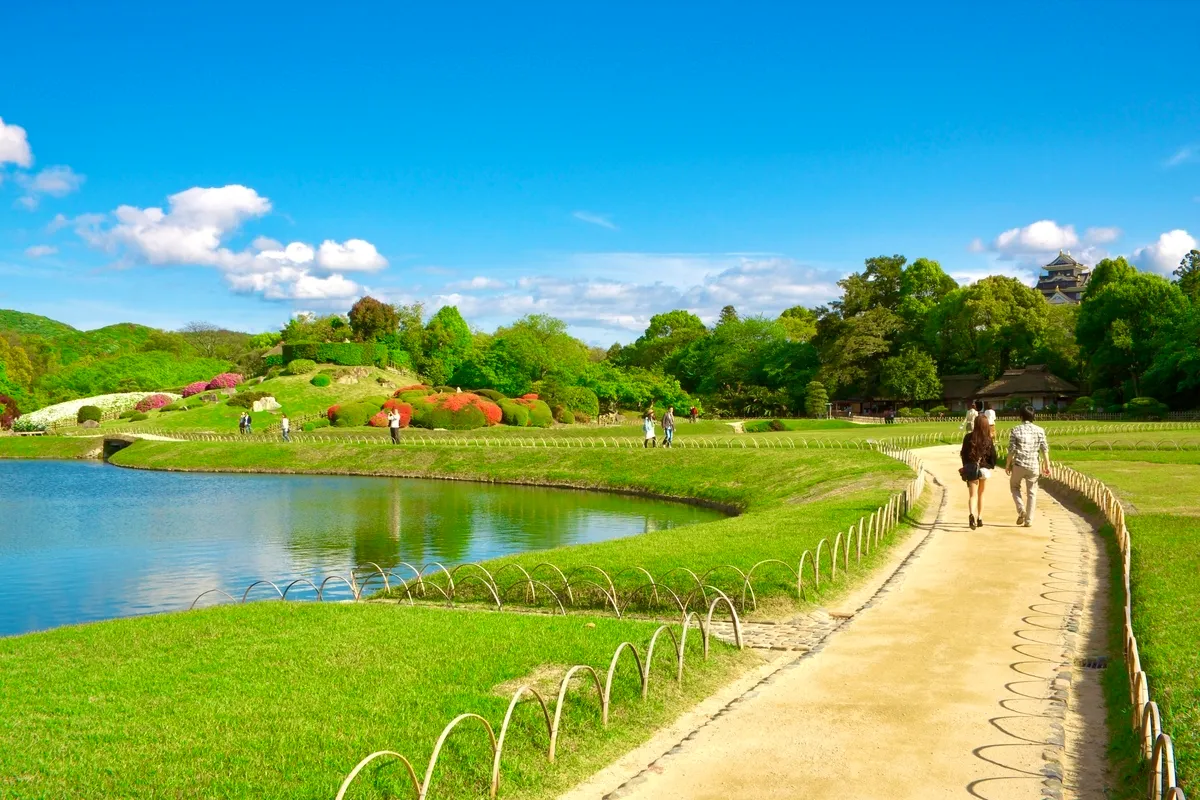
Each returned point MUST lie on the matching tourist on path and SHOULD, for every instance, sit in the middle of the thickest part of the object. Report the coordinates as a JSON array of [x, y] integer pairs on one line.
[[285, 425], [393, 419], [694, 414], [243, 423], [972, 414], [648, 436], [669, 427], [1028, 455], [990, 414], [249, 424], [978, 456]]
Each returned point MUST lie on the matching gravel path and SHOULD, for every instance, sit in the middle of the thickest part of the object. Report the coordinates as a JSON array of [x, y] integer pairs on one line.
[[961, 677]]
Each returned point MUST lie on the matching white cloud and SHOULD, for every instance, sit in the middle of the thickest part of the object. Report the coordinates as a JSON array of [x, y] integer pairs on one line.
[[1101, 235], [354, 255], [58, 181], [593, 218], [976, 245], [1182, 156], [14, 146], [39, 250], [1042, 236], [59, 222], [1164, 255], [477, 283], [194, 231]]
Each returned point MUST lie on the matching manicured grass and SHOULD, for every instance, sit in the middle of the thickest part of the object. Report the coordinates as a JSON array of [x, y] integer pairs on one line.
[[278, 700], [789, 500], [1163, 493], [764, 425], [47, 446]]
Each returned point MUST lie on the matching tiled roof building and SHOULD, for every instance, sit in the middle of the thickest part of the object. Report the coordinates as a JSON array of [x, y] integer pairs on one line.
[[1064, 281], [1035, 383]]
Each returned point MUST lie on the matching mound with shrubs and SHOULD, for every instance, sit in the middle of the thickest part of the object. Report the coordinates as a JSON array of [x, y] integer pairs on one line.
[[152, 402], [458, 411], [300, 366], [540, 415], [226, 380], [89, 414], [1145, 408], [194, 388], [247, 399], [321, 381]]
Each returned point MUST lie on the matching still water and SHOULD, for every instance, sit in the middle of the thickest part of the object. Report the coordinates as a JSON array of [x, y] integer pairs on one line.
[[83, 541]]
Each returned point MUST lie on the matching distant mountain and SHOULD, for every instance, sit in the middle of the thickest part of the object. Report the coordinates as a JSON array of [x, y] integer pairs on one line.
[[32, 324]]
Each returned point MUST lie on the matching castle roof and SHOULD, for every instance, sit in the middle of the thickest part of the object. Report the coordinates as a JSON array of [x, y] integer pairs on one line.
[[1064, 261]]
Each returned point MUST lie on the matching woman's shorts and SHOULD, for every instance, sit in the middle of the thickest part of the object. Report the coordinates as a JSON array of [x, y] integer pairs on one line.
[[985, 473]]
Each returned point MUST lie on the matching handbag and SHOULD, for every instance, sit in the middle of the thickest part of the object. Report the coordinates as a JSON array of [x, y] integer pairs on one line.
[[969, 472]]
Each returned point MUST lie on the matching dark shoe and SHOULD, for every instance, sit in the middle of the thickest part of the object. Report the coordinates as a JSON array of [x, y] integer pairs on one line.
[[972, 522], [979, 522], [1020, 519]]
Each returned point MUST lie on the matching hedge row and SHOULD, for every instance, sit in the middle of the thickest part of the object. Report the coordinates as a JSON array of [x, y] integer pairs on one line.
[[346, 354]]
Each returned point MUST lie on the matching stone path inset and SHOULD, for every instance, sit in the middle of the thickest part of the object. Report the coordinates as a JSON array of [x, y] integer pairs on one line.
[[962, 679]]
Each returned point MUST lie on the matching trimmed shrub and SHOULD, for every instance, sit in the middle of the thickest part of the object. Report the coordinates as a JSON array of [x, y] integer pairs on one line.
[[9, 412], [321, 380], [1015, 403], [301, 366], [563, 415], [490, 394], [938, 411], [86, 413], [196, 402], [345, 354], [1082, 405], [427, 414], [274, 372], [406, 411], [246, 399], [530, 396], [413, 387], [27, 425], [226, 380], [1146, 408], [194, 388], [138, 416], [513, 413], [151, 402], [379, 420], [400, 359], [313, 425], [581, 418], [126, 414], [777, 425], [178, 405], [353, 415], [331, 411], [272, 361], [581, 398], [444, 389], [540, 415]]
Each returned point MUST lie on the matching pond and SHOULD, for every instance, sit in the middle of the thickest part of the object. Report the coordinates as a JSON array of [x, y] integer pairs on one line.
[[83, 541]]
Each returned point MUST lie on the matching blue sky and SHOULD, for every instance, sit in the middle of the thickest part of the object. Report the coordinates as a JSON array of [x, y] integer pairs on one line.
[[237, 163]]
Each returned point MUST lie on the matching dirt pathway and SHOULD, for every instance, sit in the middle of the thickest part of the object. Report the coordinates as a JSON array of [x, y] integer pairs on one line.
[[959, 679]]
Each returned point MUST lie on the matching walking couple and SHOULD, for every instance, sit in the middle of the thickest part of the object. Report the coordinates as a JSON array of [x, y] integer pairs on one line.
[[1028, 457], [668, 423]]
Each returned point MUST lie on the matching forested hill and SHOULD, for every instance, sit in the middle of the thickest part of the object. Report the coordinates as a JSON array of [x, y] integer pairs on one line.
[[44, 361]]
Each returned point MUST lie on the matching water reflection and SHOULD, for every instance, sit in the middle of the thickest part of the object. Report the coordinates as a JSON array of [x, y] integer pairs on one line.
[[84, 541]]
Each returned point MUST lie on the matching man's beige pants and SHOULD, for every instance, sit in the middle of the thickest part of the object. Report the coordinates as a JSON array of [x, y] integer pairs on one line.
[[1025, 504]]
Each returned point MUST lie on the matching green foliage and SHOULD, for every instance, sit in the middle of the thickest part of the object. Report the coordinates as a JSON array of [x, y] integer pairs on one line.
[[581, 398], [490, 394], [86, 413], [987, 327], [912, 375], [816, 399], [1082, 405], [321, 380], [264, 341], [311, 328], [246, 399], [346, 354], [1187, 276], [666, 335], [273, 361], [938, 411], [540, 415], [563, 415], [799, 323], [514, 413], [300, 366], [355, 415], [137, 416], [31, 324], [178, 405], [315, 424], [371, 320], [132, 372], [1015, 404], [448, 343], [852, 348], [428, 414], [1145, 408], [1174, 375], [400, 359]]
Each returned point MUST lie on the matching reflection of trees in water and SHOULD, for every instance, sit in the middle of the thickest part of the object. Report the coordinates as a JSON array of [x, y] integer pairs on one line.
[[393, 520]]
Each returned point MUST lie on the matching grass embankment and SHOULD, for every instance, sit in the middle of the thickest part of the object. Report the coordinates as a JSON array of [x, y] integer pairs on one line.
[[279, 700], [1162, 494], [789, 500], [48, 446]]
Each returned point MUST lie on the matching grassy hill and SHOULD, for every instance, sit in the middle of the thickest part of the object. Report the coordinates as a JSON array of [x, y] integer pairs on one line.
[[32, 324]]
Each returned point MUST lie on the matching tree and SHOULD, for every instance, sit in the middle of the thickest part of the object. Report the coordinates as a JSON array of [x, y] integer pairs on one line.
[[1188, 276], [987, 327], [728, 314], [911, 376], [666, 335], [1174, 375], [540, 344], [923, 284], [1057, 347], [799, 323], [204, 336], [371, 320], [1120, 326], [876, 286], [308, 327], [816, 399], [448, 342], [853, 349], [15, 361]]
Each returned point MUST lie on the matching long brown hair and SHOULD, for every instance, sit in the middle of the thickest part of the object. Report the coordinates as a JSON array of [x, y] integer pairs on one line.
[[981, 439]]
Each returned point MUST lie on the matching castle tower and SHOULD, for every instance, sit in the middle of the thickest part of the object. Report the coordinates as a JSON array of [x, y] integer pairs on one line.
[[1064, 281]]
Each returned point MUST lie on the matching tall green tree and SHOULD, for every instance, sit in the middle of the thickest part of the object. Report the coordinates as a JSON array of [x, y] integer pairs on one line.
[[878, 285], [799, 323], [911, 376], [447, 344], [816, 399], [1188, 276], [1174, 375], [987, 327], [1121, 323], [371, 319], [541, 344], [923, 284], [665, 336], [853, 349]]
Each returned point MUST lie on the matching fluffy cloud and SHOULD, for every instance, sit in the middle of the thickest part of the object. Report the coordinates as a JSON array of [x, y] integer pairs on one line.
[[14, 146], [1164, 255], [354, 255], [1101, 235], [1042, 236], [39, 250], [477, 283], [57, 181], [195, 228], [593, 218]]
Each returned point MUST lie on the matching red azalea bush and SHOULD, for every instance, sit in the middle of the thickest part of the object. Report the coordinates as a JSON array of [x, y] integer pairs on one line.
[[459, 411], [226, 380], [380, 420], [152, 402], [405, 410], [8, 411], [330, 412], [460, 400], [194, 388], [414, 388], [530, 396]]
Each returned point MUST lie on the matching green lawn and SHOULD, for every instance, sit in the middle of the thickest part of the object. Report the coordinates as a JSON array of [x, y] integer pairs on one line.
[[47, 446], [1163, 493], [274, 700]]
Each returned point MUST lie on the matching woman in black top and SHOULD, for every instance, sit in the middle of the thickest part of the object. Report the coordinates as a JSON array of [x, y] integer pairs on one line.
[[978, 459]]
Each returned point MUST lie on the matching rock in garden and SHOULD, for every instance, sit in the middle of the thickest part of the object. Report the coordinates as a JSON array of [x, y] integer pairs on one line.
[[91, 423], [265, 404]]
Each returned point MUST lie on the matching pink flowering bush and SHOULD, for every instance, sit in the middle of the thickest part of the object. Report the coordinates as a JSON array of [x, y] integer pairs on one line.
[[226, 380], [194, 388], [152, 402]]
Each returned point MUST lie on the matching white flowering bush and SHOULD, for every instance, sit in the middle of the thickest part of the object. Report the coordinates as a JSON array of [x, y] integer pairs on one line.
[[107, 403]]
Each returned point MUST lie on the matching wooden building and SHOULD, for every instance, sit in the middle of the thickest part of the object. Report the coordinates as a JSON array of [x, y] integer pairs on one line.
[[1065, 280], [1035, 384]]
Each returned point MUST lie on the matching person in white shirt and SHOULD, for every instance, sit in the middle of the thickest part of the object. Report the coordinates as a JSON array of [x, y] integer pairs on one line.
[[972, 413], [991, 418], [285, 425], [393, 419]]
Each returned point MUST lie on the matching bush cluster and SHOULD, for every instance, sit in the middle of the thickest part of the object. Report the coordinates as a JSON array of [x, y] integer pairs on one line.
[[313, 425], [353, 415], [1146, 408], [151, 402], [513, 413], [8, 412], [194, 388], [226, 380], [247, 399], [346, 354], [89, 413], [457, 411], [321, 380], [563, 415], [540, 415], [301, 366]]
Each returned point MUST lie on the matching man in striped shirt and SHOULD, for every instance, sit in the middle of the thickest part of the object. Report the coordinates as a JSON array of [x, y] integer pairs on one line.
[[1028, 455]]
